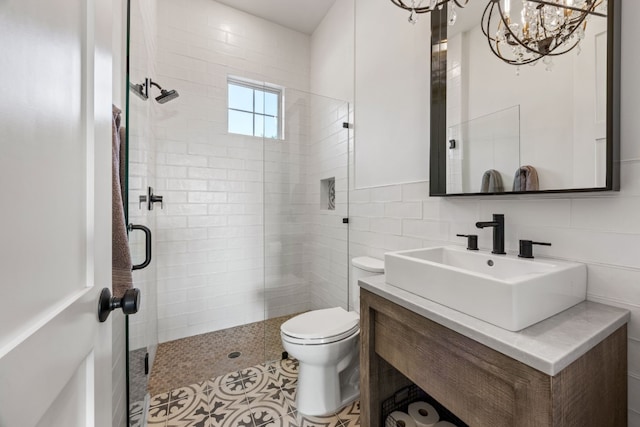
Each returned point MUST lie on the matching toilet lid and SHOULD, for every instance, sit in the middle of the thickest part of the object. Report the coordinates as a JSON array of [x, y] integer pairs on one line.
[[321, 324], [366, 263]]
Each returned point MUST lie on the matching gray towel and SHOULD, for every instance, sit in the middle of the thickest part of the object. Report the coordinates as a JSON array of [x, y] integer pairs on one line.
[[120, 256], [491, 182], [526, 179]]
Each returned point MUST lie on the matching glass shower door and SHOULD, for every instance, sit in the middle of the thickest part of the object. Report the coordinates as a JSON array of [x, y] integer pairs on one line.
[[306, 181], [142, 328]]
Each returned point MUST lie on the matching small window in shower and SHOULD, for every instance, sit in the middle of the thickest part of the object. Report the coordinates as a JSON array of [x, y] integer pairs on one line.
[[254, 109]]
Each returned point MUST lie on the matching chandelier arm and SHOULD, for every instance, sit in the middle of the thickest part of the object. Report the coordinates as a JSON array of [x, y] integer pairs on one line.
[[482, 20], [487, 17], [553, 53], [461, 3]]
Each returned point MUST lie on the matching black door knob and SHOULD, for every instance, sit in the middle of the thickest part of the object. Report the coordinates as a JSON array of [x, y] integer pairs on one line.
[[130, 303]]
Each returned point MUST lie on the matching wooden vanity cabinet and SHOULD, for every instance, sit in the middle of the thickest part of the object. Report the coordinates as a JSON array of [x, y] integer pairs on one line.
[[483, 387]]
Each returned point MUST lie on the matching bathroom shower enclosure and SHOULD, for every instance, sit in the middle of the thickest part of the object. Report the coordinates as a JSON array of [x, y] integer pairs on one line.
[[253, 174]]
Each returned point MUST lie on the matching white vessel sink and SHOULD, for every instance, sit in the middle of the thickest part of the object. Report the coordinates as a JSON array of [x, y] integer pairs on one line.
[[504, 290]]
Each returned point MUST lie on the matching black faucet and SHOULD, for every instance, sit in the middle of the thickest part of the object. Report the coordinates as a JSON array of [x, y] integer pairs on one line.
[[498, 232]]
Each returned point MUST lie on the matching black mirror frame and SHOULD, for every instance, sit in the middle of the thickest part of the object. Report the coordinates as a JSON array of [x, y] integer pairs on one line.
[[438, 120]]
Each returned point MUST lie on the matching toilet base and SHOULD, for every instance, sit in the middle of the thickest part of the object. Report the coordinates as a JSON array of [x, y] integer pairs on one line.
[[323, 391]]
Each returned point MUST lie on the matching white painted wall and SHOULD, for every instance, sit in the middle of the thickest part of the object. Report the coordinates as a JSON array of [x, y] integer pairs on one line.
[[332, 53], [589, 107], [391, 106]]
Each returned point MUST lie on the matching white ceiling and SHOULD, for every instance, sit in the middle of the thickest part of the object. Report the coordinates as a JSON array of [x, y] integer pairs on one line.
[[299, 15]]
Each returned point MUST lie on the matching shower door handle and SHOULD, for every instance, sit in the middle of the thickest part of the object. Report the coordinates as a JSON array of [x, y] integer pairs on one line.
[[147, 245]]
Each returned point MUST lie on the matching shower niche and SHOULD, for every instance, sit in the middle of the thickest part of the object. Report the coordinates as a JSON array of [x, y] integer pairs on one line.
[[328, 194]]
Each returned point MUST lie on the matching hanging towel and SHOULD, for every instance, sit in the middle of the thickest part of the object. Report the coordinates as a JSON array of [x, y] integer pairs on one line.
[[526, 179], [120, 255], [491, 182]]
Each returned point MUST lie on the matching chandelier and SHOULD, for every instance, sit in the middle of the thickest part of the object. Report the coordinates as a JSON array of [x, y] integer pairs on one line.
[[416, 6], [523, 31]]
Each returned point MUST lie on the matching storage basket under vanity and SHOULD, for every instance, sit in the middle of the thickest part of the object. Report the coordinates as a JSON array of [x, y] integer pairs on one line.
[[402, 398]]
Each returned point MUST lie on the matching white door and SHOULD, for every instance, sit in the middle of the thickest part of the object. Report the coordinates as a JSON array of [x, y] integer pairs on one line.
[[55, 226]]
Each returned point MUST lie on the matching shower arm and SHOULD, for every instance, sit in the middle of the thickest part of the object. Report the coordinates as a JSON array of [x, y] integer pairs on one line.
[[152, 83]]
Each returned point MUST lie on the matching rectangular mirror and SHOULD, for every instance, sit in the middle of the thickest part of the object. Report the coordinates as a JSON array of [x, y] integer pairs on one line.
[[499, 128]]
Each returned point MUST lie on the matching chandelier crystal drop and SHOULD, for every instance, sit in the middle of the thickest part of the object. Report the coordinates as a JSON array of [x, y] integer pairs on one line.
[[523, 31], [416, 7]]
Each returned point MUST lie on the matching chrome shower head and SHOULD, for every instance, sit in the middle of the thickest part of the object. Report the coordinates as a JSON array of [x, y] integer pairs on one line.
[[166, 95]]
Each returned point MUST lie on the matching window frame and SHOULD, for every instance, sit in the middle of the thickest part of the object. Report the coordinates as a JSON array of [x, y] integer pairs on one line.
[[264, 88]]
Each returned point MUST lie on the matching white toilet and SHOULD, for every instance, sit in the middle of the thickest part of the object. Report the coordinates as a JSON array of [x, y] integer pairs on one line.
[[326, 344]]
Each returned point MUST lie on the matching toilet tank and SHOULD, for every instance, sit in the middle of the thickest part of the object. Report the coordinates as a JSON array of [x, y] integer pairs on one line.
[[362, 267]]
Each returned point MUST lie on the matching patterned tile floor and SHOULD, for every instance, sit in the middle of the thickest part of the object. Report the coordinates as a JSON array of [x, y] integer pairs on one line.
[[260, 396]]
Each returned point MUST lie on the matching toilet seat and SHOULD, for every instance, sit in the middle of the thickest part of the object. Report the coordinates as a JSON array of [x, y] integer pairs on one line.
[[320, 326]]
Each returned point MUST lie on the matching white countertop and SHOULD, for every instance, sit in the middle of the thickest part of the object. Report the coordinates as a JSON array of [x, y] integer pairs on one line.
[[548, 346]]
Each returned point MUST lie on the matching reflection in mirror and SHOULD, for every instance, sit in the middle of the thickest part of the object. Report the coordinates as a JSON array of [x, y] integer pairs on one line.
[[557, 114], [482, 152]]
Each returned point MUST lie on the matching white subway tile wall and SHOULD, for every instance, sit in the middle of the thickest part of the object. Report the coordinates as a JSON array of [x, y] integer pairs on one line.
[[326, 247]]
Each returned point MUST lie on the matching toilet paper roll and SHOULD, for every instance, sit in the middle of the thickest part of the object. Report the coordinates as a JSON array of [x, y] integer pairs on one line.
[[423, 414], [444, 424], [399, 419]]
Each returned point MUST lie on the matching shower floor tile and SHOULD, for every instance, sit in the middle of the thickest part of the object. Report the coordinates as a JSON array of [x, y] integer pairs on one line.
[[194, 359], [260, 396]]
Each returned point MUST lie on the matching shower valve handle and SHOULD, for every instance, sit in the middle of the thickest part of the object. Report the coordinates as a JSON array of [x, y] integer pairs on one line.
[[150, 199], [155, 199]]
